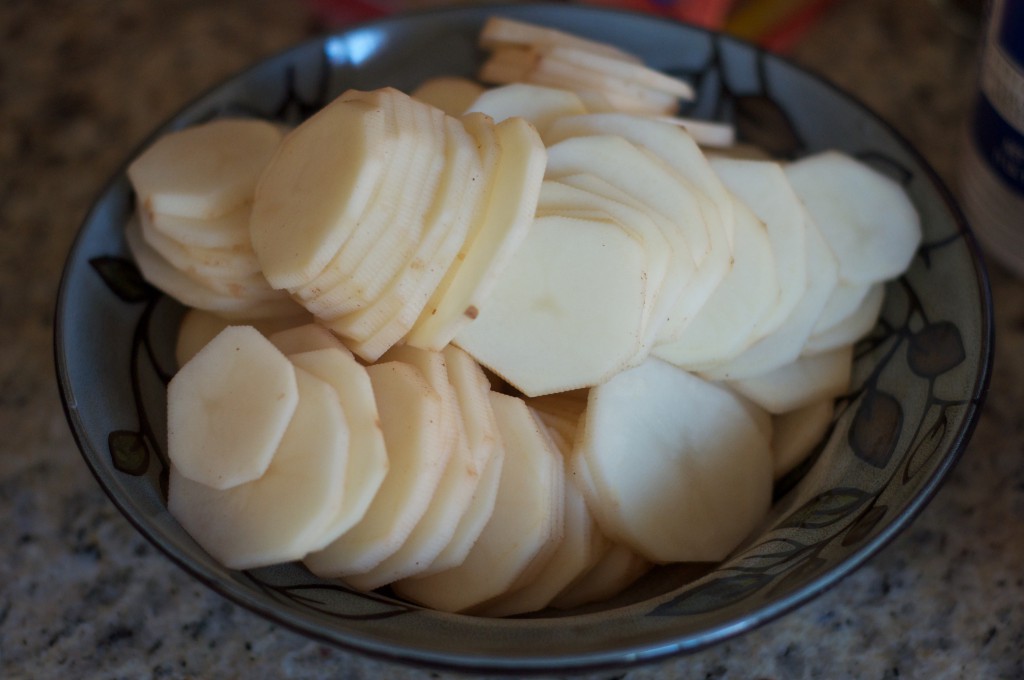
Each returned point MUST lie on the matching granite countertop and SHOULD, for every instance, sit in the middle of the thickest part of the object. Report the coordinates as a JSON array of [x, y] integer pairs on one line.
[[84, 595]]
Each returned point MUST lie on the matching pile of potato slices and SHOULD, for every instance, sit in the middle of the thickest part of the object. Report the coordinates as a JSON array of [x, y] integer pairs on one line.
[[503, 348]]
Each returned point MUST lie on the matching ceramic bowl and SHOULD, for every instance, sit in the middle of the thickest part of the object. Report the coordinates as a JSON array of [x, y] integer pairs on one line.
[[919, 378]]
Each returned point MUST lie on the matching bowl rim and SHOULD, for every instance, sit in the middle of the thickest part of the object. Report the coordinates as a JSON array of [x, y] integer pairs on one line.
[[620, 657]]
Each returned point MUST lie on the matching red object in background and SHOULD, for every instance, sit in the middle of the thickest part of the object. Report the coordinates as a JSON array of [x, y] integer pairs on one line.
[[707, 13]]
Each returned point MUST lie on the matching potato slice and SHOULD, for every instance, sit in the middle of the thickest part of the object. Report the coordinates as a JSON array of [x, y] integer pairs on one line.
[[387, 240], [524, 529], [228, 408], [763, 187], [844, 301], [451, 94], [851, 329], [662, 446], [671, 143], [648, 179], [481, 431], [282, 515], [615, 70], [785, 344], [411, 419], [368, 463], [305, 338], [493, 239], [796, 433], [454, 491], [575, 288], [198, 327], [316, 189], [573, 555], [227, 231], [160, 273], [204, 171], [502, 31], [728, 322], [204, 264], [867, 218], [537, 104], [615, 571], [555, 195], [807, 380], [458, 203]]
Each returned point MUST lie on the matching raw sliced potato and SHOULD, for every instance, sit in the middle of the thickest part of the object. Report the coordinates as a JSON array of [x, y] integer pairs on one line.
[[305, 338], [286, 512], [573, 288], [808, 379], [524, 529], [368, 463], [622, 164], [451, 94], [198, 327], [796, 433], [316, 188], [728, 322], [560, 198], [852, 328], [417, 445], [617, 569], [539, 105], [866, 217], [785, 344], [493, 240], [697, 439], [435, 233], [204, 171], [501, 31], [454, 491], [764, 189], [162, 274], [669, 140], [457, 205], [387, 236], [226, 231], [228, 409]]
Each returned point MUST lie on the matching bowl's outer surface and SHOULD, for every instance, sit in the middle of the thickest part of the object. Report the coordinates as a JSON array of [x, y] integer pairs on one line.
[[920, 377]]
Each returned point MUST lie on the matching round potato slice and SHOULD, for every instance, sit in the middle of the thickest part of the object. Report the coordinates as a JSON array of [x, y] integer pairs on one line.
[[681, 471], [575, 290], [410, 417], [228, 408], [204, 171], [285, 513]]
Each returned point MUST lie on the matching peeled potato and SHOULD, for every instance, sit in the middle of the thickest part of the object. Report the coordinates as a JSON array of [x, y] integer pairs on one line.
[[368, 464], [524, 528], [410, 415], [662, 445], [204, 171], [228, 408], [451, 94], [285, 513], [806, 380]]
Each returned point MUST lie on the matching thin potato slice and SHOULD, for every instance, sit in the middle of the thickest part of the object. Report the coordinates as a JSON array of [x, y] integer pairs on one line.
[[796, 433], [537, 104], [316, 189], [198, 327], [662, 445], [204, 171], [493, 240], [615, 571], [852, 328], [451, 94], [410, 415], [227, 231], [228, 408], [524, 528], [808, 379], [575, 288], [305, 338], [285, 513], [454, 491], [368, 463], [502, 31]]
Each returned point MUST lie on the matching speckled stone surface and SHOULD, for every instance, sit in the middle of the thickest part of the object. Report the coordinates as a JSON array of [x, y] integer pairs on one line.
[[82, 595]]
